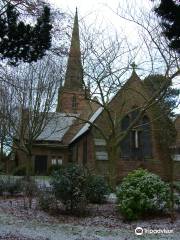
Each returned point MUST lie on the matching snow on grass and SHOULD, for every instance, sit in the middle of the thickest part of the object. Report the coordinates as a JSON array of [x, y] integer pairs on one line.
[[103, 224]]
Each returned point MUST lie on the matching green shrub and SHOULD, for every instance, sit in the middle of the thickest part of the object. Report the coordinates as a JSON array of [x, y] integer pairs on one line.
[[177, 186], [53, 168], [69, 185], [96, 189], [46, 200], [20, 171], [140, 193]]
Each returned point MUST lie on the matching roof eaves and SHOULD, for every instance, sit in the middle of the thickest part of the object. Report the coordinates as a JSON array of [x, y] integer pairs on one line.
[[88, 124]]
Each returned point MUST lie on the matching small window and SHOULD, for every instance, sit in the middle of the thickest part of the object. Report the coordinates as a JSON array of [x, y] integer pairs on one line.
[[59, 161], [99, 142], [74, 102], [56, 160], [53, 161], [102, 155]]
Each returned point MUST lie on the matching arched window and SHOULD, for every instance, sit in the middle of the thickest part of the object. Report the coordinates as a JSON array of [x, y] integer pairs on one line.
[[126, 143], [137, 144], [134, 113], [146, 138]]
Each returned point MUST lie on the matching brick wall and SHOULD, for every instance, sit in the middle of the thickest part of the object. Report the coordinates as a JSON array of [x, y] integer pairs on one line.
[[65, 101], [48, 151], [132, 94]]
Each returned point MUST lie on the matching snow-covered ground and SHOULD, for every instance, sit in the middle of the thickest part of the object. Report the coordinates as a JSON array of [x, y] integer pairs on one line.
[[103, 224]]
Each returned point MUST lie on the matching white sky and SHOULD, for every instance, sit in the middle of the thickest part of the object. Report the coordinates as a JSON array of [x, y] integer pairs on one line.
[[84, 6], [103, 9], [101, 13]]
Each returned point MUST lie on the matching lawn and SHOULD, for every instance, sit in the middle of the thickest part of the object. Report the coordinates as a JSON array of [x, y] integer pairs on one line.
[[101, 223]]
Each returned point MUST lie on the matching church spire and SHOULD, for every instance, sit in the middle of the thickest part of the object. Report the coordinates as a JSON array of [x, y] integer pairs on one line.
[[74, 72]]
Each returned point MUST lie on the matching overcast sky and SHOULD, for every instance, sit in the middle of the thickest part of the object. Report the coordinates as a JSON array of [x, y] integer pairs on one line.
[[84, 6], [103, 9]]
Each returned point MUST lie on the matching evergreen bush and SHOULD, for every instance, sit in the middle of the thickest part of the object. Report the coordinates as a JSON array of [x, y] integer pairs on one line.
[[96, 189], [142, 192], [53, 168], [69, 185], [46, 200]]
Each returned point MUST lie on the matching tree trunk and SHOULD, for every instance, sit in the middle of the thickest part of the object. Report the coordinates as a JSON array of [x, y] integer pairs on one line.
[[1, 154], [171, 180], [169, 172], [113, 160], [3, 158], [28, 166]]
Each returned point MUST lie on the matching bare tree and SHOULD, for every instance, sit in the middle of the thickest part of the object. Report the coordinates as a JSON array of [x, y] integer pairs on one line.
[[107, 67], [32, 94], [162, 60], [27, 84], [28, 8], [3, 130]]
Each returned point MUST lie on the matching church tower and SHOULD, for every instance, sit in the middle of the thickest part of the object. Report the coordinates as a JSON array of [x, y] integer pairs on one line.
[[71, 97]]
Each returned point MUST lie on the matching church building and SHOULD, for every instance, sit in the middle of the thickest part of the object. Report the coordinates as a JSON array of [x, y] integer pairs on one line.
[[72, 134]]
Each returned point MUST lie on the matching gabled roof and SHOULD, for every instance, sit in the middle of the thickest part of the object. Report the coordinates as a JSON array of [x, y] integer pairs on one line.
[[133, 79], [57, 127], [88, 124]]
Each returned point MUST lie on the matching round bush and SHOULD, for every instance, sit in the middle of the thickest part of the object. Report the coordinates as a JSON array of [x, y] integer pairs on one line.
[[96, 189], [142, 192], [69, 185]]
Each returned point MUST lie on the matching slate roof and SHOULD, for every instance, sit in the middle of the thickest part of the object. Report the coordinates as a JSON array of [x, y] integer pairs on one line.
[[57, 127]]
